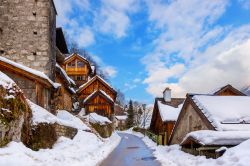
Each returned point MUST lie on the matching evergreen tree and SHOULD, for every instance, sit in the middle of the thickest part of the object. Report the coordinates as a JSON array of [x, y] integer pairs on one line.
[[130, 119]]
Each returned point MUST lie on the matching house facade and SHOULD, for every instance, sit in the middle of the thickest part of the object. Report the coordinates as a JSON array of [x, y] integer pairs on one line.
[[219, 112], [98, 96], [165, 113], [36, 86], [78, 68], [65, 94]]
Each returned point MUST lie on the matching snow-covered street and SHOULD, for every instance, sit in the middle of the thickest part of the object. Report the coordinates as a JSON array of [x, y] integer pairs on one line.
[[131, 151], [173, 156]]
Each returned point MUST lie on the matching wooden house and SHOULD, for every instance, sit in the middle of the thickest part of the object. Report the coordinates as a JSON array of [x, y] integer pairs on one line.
[[209, 112], [209, 142], [227, 90], [98, 96], [120, 122], [78, 68], [64, 96], [165, 113], [36, 85]]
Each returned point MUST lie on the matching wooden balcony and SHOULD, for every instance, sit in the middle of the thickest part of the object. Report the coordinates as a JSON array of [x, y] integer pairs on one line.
[[72, 70]]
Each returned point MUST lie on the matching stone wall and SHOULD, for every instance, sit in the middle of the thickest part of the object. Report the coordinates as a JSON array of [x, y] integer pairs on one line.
[[45, 135], [65, 131], [104, 131], [190, 121], [15, 116], [28, 33]]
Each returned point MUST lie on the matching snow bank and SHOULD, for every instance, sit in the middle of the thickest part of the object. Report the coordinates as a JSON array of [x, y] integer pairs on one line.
[[41, 115], [173, 156], [210, 137], [169, 113], [225, 112], [95, 118], [71, 120], [85, 149]]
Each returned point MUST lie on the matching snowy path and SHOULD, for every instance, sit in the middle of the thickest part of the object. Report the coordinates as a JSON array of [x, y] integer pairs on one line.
[[131, 151]]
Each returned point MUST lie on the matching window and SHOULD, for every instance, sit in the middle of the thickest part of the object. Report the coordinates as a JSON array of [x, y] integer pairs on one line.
[[80, 64], [72, 64], [46, 98], [79, 78], [190, 122]]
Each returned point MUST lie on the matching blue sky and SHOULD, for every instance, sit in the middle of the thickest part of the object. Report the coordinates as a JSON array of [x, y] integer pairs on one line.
[[145, 46]]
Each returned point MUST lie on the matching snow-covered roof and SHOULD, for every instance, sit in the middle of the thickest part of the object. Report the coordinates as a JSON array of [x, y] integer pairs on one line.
[[95, 118], [89, 96], [121, 117], [167, 112], [73, 55], [105, 94], [65, 74], [92, 79], [41, 115], [225, 112], [29, 70], [98, 91], [211, 137]]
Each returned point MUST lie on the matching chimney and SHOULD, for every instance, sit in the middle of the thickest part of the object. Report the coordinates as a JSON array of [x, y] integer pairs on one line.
[[167, 94]]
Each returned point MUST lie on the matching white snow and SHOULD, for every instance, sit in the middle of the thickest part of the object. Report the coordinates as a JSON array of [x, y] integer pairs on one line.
[[225, 112], [9, 97], [210, 137], [93, 68], [121, 117], [89, 96], [95, 77], [71, 120], [95, 118], [29, 70], [173, 156], [86, 149], [41, 115], [5, 81], [65, 74], [169, 113], [105, 94], [96, 91]]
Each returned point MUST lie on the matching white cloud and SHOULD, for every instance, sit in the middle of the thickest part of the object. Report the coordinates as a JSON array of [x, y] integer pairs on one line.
[[83, 35], [113, 16], [110, 71], [137, 80], [229, 67], [210, 55]]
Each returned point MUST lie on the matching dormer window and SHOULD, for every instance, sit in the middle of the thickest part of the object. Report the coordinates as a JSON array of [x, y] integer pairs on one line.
[[72, 64], [80, 64]]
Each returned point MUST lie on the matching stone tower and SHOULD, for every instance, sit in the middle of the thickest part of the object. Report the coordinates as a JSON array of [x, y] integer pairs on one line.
[[28, 33]]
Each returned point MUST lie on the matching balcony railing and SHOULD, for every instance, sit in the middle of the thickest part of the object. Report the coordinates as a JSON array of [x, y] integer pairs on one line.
[[75, 69]]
